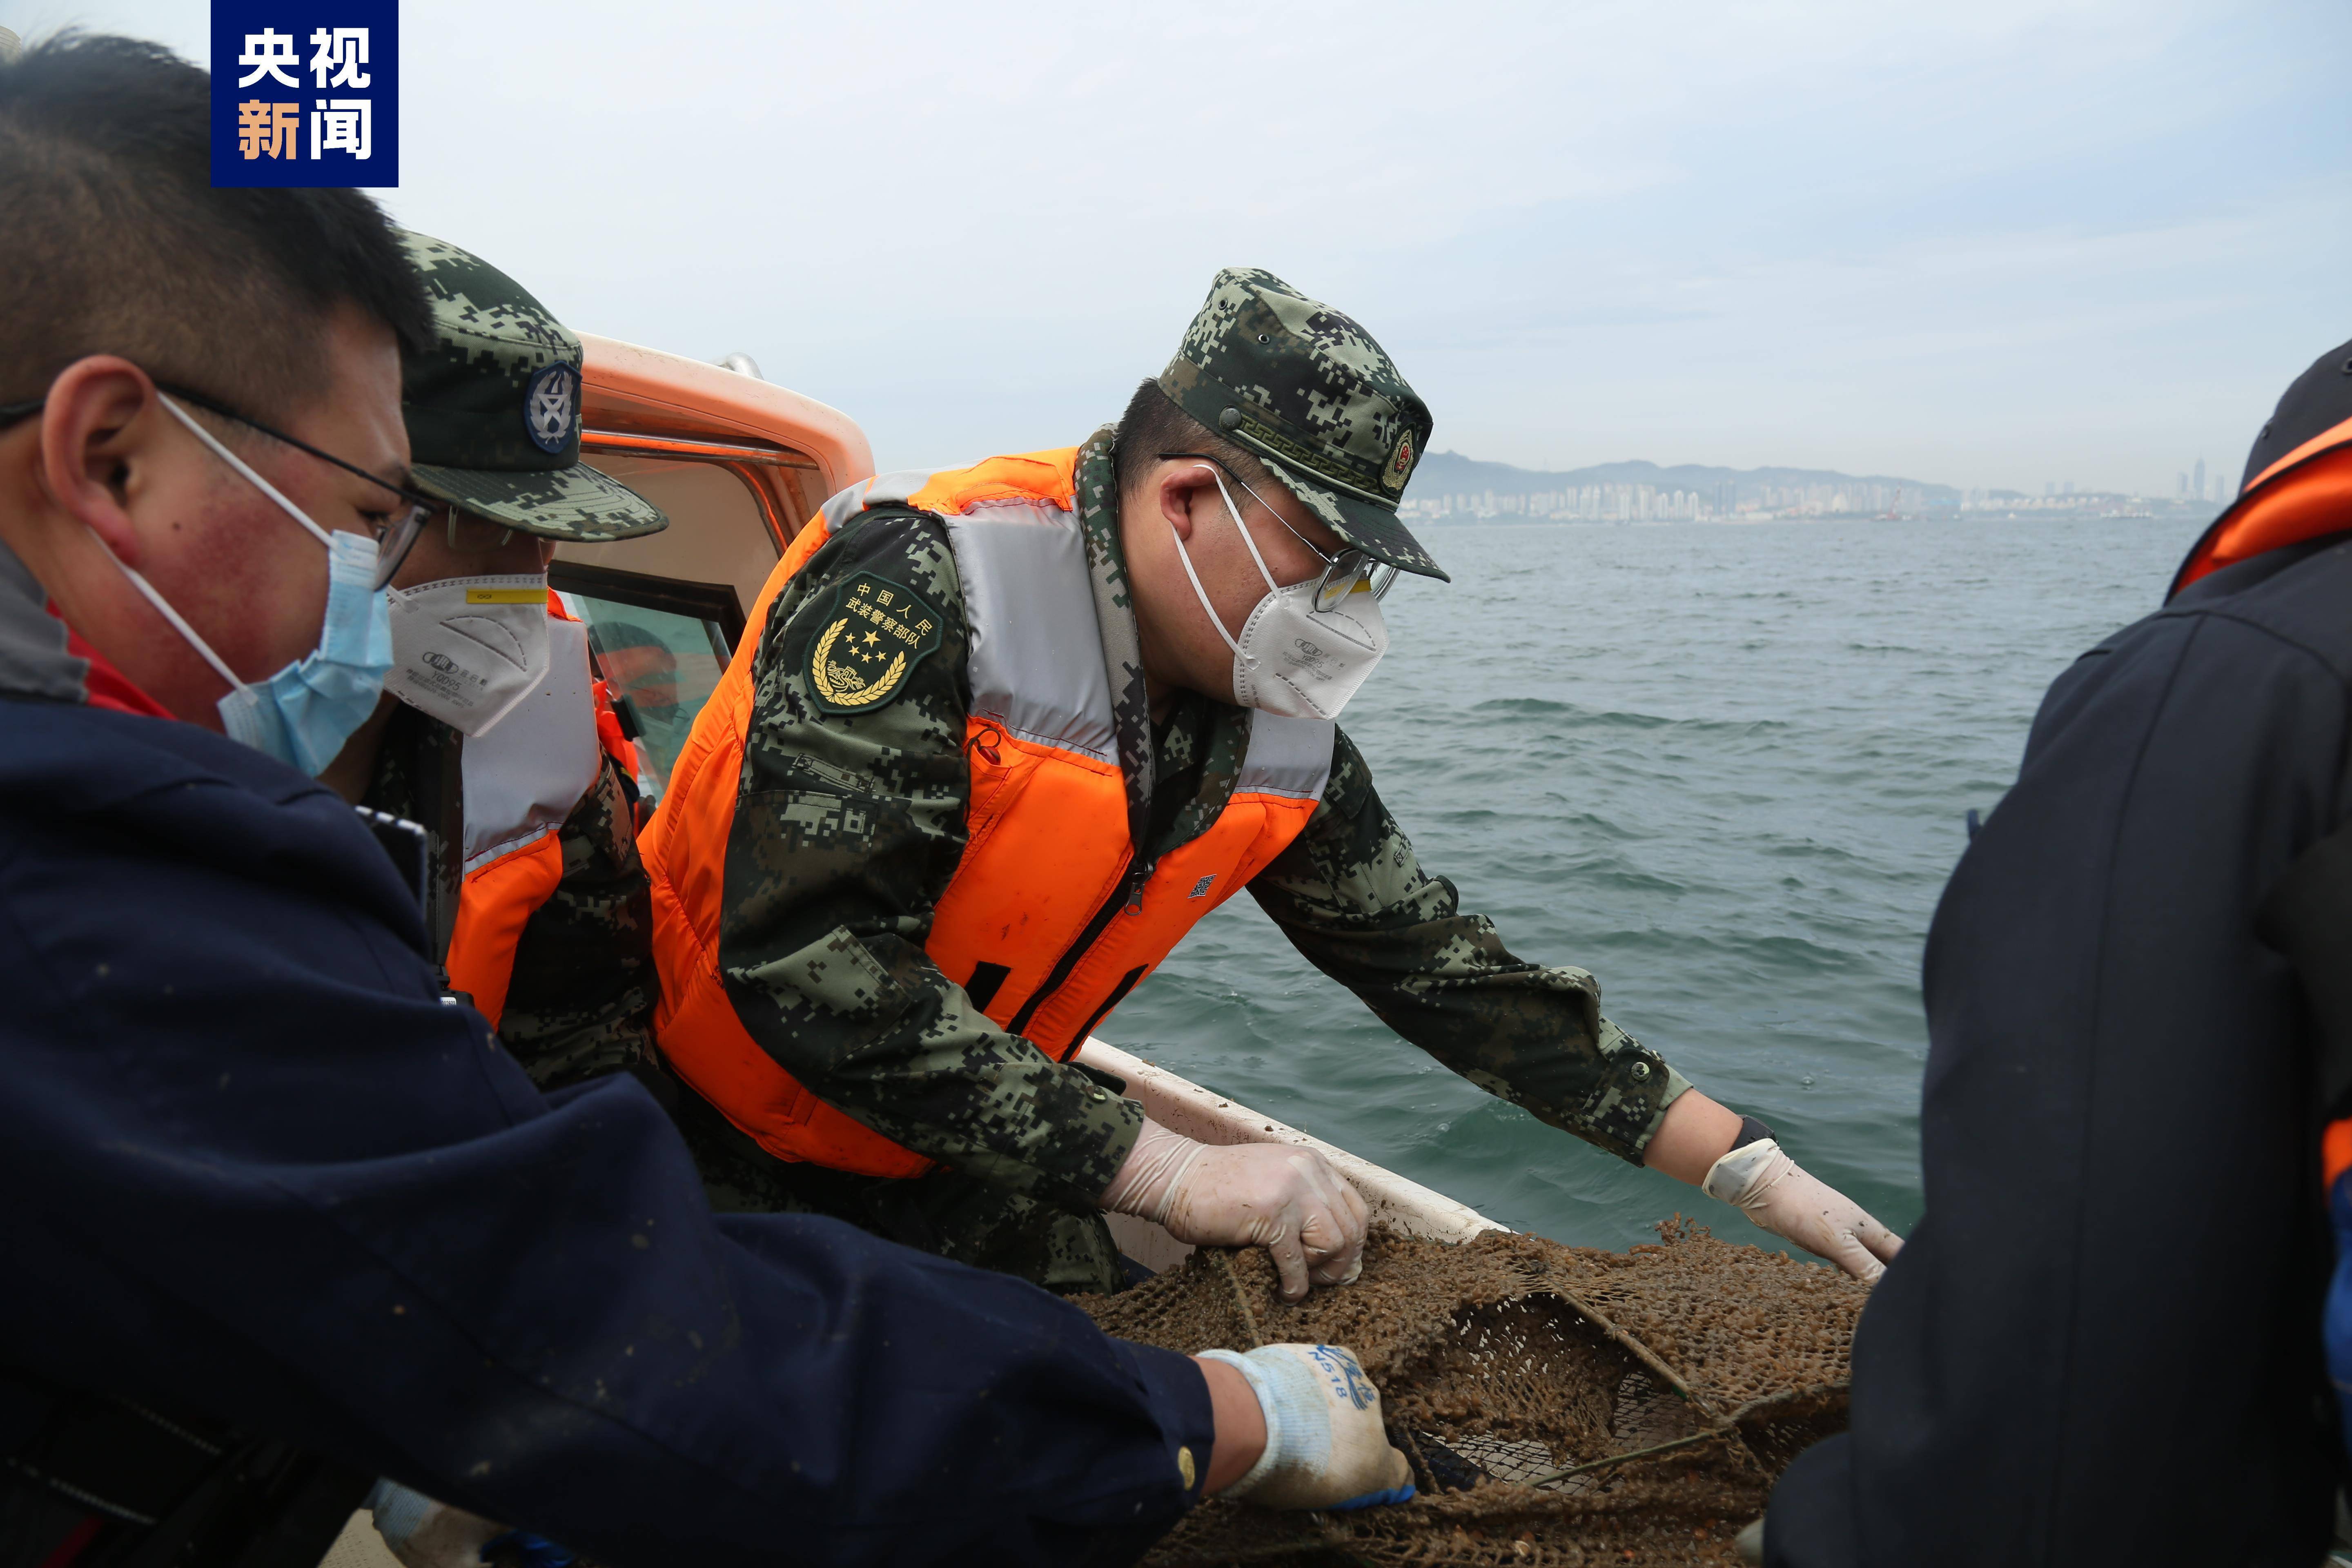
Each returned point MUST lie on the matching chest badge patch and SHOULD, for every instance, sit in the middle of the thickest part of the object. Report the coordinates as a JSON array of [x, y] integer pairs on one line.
[[877, 633]]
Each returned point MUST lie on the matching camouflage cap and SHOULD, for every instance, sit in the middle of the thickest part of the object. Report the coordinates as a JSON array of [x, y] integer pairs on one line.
[[1307, 389], [493, 408]]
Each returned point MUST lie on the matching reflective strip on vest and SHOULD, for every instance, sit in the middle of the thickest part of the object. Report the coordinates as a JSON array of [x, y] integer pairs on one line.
[[1034, 923], [522, 780], [1036, 660], [883, 490], [1289, 757]]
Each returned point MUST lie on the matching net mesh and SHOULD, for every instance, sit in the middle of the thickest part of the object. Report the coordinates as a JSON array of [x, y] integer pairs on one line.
[[1561, 1405]]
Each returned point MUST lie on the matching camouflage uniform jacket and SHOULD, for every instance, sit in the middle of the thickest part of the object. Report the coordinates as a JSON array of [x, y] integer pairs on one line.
[[581, 1003], [849, 826]]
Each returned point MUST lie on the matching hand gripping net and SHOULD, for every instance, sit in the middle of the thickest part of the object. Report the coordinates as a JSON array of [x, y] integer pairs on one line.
[[1560, 1406]]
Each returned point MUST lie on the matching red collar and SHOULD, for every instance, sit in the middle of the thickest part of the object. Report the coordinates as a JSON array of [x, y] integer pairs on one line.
[[105, 686]]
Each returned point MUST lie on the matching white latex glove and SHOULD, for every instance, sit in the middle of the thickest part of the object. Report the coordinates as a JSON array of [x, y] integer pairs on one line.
[[1325, 1446], [1279, 1196], [1776, 1193], [423, 1534]]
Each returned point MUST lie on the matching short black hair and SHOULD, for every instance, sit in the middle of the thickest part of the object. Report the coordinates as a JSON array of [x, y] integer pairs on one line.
[[113, 241], [1154, 424]]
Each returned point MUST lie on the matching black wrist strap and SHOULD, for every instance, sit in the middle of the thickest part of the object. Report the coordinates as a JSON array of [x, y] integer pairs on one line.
[[1750, 1131]]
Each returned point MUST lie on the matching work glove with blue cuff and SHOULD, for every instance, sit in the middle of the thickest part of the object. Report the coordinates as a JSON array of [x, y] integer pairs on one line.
[[426, 1533], [423, 1534], [1325, 1445]]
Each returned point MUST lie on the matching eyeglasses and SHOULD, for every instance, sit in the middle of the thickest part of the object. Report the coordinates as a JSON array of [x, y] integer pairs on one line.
[[394, 536], [1352, 571]]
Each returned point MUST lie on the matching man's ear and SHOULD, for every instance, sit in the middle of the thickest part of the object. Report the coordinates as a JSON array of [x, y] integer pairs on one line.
[[97, 432], [1176, 487]]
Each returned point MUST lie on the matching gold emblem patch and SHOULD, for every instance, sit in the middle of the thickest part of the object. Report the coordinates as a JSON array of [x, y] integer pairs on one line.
[[1400, 467], [879, 631]]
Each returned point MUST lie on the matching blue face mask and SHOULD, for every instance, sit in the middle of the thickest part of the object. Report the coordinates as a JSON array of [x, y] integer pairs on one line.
[[304, 713]]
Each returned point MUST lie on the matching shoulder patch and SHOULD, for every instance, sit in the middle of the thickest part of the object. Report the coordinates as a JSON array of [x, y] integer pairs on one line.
[[877, 632]]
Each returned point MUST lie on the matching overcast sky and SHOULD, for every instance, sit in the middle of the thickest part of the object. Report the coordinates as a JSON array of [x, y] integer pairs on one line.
[[1990, 243]]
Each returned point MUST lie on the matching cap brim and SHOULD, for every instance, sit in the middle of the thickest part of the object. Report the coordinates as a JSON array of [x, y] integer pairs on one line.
[[1374, 529], [577, 504]]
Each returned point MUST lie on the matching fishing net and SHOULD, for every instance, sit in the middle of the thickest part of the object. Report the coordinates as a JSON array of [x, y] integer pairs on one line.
[[1559, 1405]]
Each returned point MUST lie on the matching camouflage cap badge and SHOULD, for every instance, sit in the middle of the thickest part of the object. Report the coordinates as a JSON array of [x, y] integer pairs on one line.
[[1306, 388], [550, 407], [493, 408]]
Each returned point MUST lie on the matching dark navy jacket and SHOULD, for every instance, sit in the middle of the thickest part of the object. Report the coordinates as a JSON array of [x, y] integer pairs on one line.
[[2102, 1343], [250, 1163]]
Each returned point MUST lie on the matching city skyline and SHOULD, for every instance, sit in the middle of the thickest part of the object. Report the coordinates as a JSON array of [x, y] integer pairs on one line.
[[1452, 486]]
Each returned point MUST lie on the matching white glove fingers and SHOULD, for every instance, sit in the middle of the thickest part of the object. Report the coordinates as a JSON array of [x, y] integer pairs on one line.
[[1837, 1243], [1395, 1486], [1342, 1264], [1321, 1184], [1787, 1200], [1288, 1200], [1856, 1260], [1358, 1210], [1350, 1217], [1330, 1230], [1289, 1262], [1339, 1268]]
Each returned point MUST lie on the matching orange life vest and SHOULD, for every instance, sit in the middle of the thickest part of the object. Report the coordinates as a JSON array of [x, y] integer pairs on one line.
[[522, 779], [1036, 923], [2304, 495]]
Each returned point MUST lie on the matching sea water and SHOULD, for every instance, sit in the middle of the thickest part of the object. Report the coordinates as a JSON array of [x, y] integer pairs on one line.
[[1725, 768]]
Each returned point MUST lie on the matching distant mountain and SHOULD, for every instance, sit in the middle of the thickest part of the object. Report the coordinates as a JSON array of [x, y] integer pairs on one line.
[[1450, 473]]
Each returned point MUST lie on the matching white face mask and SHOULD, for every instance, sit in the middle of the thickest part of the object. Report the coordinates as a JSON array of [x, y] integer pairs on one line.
[[1292, 659], [466, 649]]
